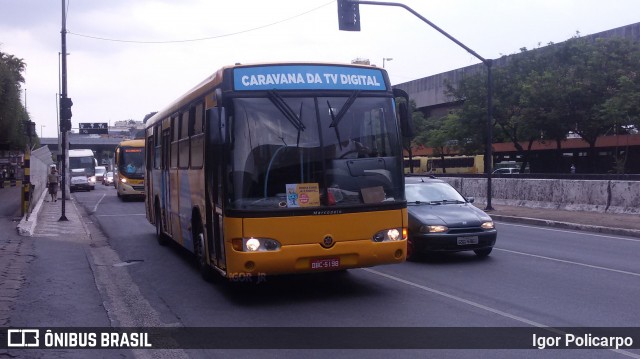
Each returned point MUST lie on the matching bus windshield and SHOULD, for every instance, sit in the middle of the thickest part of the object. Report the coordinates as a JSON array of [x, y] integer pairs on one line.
[[131, 162], [296, 152], [87, 163]]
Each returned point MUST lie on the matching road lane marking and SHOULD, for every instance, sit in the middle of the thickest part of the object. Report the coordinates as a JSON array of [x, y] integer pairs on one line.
[[95, 208], [484, 307], [459, 299], [569, 262], [571, 231]]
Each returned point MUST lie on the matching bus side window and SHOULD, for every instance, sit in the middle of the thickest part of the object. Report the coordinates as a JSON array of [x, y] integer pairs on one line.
[[197, 140], [183, 146], [175, 129], [158, 144]]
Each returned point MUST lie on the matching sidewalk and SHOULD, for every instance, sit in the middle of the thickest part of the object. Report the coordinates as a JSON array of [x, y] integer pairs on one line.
[[606, 223]]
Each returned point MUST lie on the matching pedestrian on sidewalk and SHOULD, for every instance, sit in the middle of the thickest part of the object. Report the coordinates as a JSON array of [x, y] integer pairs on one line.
[[52, 180]]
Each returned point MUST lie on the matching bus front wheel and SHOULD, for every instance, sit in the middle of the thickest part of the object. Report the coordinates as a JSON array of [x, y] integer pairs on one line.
[[200, 254]]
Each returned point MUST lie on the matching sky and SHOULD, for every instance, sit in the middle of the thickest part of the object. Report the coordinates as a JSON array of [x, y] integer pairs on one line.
[[129, 58]]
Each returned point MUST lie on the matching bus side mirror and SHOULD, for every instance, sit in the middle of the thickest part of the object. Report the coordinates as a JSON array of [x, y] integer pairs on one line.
[[404, 113]]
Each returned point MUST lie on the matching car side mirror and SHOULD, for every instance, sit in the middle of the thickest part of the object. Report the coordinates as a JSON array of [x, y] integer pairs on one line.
[[470, 199]]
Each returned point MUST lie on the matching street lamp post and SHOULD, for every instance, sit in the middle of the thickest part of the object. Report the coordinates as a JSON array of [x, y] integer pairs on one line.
[[63, 96], [41, 126], [386, 59]]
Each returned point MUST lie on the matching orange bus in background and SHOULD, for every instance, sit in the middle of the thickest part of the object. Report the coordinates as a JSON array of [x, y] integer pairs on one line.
[[128, 175]]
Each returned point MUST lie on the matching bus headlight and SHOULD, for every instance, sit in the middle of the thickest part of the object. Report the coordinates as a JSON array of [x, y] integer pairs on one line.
[[392, 234], [253, 244], [123, 180]]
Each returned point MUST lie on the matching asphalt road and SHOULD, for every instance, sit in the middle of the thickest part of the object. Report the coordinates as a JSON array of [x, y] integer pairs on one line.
[[536, 276]]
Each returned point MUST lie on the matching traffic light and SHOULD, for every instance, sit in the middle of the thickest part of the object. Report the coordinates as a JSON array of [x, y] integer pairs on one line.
[[65, 114], [348, 15]]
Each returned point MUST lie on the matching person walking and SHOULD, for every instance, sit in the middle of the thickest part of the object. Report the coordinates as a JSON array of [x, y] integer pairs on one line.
[[52, 180]]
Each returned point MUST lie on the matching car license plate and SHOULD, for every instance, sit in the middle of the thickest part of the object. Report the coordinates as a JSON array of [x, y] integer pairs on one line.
[[327, 263], [463, 241]]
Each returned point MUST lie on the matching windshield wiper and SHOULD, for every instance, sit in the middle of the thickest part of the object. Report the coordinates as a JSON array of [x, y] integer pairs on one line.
[[343, 110], [288, 113], [452, 201], [424, 202]]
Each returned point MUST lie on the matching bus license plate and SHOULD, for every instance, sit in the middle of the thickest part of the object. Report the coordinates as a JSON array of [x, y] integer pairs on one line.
[[463, 241], [327, 263]]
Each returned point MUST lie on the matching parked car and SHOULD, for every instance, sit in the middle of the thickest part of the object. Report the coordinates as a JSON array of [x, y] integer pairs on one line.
[[79, 180], [107, 179], [506, 171], [442, 220]]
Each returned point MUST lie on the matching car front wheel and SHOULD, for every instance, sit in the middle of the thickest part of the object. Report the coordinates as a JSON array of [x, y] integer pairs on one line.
[[483, 252], [412, 256]]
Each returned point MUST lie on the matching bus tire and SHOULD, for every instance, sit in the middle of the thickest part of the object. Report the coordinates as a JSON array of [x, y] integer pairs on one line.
[[161, 237], [200, 253]]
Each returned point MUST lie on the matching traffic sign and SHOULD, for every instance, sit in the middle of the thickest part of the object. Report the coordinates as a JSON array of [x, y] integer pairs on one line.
[[97, 128]]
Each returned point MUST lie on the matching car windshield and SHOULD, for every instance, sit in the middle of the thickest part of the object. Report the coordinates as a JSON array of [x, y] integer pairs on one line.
[[432, 192], [290, 152]]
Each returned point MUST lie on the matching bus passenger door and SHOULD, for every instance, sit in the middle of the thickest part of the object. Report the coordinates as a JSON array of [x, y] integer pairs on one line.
[[217, 219], [215, 169]]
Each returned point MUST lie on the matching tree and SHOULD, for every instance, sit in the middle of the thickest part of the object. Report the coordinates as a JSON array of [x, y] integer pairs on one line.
[[600, 83], [12, 112], [591, 87]]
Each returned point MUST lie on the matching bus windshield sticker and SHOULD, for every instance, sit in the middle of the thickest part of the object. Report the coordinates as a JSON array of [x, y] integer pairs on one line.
[[303, 195], [308, 77]]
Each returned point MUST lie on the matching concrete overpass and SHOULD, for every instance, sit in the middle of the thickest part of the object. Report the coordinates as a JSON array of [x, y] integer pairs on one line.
[[429, 92], [103, 147]]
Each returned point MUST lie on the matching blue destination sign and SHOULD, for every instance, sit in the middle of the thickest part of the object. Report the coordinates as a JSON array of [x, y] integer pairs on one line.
[[307, 77]]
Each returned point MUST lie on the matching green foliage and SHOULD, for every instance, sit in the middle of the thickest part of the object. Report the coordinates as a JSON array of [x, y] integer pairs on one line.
[[591, 87], [12, 112]]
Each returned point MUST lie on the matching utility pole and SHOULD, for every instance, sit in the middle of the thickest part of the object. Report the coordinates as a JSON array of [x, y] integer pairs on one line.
[[65, 109]]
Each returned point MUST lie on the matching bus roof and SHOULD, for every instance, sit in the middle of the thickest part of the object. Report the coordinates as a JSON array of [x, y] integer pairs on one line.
[[132, 143], [321, 81], [80, 153]]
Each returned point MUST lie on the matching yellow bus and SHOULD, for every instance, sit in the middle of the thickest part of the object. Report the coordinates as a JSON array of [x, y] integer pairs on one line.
[[280, 168], [455, 164], [128, 175]]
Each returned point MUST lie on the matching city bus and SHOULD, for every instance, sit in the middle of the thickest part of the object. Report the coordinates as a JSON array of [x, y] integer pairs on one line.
[[455, 164], [84, 159], [128, 176], [281, 168]]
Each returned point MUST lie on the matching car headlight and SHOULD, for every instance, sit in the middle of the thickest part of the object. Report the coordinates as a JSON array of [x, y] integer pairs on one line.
[[433, 229], [391, 234], [253, 244], [92, 179], [487, 225]]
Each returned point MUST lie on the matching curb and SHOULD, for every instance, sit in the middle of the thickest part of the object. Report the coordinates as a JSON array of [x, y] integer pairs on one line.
[[27, 226], [567, 225]]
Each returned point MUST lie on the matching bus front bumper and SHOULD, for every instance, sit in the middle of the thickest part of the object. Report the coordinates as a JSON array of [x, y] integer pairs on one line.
[[306, 258]]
